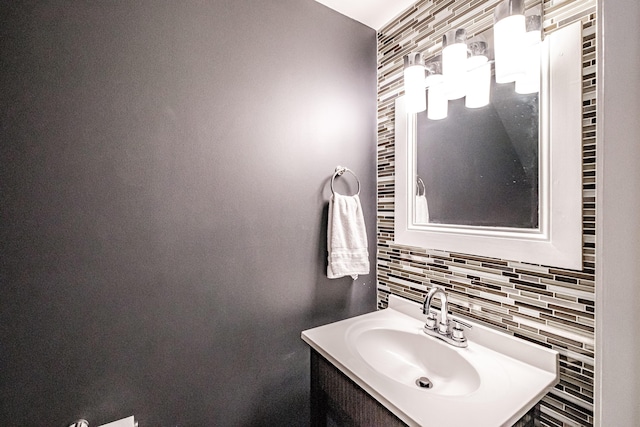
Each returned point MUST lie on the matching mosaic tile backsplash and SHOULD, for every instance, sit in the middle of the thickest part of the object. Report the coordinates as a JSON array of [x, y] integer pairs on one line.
[[549, 306]]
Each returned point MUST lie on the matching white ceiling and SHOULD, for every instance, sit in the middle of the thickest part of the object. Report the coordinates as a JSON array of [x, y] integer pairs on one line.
[[373, 13]]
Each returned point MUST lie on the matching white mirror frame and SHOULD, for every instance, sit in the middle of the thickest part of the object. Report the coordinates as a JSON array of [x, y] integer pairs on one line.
[[558, 240]]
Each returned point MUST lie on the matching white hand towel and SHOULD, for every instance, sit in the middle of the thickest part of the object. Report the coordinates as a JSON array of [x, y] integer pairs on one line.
[[422, 210], [346, 238]]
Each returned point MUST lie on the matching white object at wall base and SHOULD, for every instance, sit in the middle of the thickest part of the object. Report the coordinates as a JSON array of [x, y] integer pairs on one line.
[[125, 422]]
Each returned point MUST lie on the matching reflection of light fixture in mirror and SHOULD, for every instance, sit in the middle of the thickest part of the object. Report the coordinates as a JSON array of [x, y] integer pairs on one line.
[[454, 61], [414, 81], [437, 98], [529, 82], [478, 77], [508, 32]]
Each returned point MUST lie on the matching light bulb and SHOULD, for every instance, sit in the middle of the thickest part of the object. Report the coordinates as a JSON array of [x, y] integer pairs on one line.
[[529, 82], [478, 82], [414, 83], [454, 62], [508, 33], [438, 102]]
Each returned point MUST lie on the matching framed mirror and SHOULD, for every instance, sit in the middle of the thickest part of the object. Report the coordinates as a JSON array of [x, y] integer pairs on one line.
[[505, 184]]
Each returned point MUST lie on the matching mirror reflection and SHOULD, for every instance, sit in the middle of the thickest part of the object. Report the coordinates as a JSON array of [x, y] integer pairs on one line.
[[479, 166]]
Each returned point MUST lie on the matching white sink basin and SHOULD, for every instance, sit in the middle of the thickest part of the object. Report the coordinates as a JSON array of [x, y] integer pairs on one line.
[[407, 355], [492, 382]]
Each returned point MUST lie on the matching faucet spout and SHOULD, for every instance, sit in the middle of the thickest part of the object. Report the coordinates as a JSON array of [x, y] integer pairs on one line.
[[426, 307], [443, 324]]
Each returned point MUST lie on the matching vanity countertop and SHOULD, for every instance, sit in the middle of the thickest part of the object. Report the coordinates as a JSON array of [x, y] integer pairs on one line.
[[492, 382]]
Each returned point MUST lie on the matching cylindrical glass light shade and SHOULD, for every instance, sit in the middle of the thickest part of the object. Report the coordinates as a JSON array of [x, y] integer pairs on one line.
[[529, 82], [508, 34], [436, 99], [478, 82], [454, 62], [414, 83], [438, 102]]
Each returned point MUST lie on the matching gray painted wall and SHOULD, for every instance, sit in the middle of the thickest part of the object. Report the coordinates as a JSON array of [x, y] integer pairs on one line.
[[163, 195]]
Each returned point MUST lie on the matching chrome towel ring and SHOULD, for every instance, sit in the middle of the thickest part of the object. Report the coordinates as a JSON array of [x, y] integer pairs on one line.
[[340, 170]]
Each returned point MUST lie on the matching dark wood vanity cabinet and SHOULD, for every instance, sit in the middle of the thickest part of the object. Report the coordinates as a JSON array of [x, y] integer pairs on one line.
[[337, 401]]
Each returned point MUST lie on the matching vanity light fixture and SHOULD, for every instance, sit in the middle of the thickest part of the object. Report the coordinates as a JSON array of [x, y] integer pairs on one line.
[[454, 62], [437, 98], [529, 81], [414, 75], [508, 33], [478, 77], [465, 69]]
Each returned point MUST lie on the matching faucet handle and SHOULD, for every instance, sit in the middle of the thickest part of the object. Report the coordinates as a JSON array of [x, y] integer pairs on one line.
[[457, 333], [458, 322], [431, 321], [443, 326]]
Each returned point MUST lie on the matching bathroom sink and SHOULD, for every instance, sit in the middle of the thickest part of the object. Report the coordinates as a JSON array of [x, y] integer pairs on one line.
[[494, 381], [406, 356]]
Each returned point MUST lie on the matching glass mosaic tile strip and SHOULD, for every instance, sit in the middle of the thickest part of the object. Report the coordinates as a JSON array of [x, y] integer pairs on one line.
[[549, 306]]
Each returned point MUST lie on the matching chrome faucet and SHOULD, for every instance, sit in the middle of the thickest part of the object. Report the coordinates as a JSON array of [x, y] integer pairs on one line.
[[443, 324], [439, 328]]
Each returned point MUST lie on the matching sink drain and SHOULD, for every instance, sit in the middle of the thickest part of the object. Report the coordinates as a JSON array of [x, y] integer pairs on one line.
[[424, 382]]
